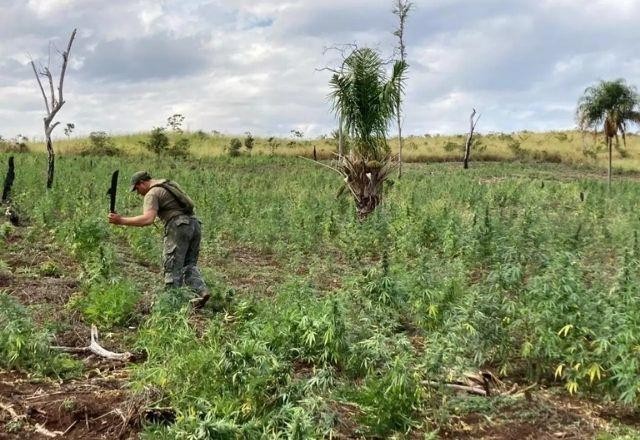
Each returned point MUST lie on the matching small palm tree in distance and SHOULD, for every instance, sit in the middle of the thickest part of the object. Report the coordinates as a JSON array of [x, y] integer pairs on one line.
[[610, 105]]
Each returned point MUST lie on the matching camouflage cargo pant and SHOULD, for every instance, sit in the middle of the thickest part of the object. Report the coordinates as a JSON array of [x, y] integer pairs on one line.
[[180, 256]]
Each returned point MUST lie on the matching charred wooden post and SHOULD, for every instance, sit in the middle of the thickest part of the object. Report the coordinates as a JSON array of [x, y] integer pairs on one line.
[[8, 181], [467, 147]]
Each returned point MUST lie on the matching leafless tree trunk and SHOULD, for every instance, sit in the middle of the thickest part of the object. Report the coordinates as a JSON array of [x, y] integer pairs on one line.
[[467, 147], [609, 144], [610, 131], [52, 105], [401, 9]]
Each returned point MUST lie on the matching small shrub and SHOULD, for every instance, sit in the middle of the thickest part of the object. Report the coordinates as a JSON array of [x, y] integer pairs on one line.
[[49, 268], [101, 144], [390, 399], [234, 147], [478, 146], [524, 135], [249, 141], [180, 148], [545, 156], [23, 346], [158, 141], [107, 305], [5, 270], [517, 150], [592, 152], [87, 235], [6, 229], [273, 144], [452, 146], [621, 151], [561, 137], [201, 135]]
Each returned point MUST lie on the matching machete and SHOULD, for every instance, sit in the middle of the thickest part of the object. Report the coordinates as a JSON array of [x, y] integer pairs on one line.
[[112, 190]]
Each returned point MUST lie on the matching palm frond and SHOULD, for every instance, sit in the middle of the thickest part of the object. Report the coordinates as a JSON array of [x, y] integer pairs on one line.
[[367, 100], [608, 104]]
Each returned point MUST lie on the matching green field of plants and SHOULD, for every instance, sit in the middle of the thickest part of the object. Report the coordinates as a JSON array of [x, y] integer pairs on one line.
[[324, 326]]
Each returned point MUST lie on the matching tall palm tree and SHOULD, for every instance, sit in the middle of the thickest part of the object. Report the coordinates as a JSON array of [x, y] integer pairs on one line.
[[611, 105], [366, 100]]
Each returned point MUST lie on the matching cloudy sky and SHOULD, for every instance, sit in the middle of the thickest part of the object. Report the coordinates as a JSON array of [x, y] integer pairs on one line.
[[255, 65]]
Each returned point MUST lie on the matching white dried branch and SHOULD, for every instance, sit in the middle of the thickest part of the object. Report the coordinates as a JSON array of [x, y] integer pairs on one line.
[[65, 58], [95, 348], [52, 95], [51, 127], [40, 429], [323, 164], [46, 102], [56, 104], [8, 408], [468, 389]]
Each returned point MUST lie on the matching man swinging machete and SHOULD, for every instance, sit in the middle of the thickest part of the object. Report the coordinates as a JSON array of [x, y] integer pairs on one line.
[[182, 231]]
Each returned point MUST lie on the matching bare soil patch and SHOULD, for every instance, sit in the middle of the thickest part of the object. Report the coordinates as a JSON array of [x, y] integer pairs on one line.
[[93, 407], [542, 415]]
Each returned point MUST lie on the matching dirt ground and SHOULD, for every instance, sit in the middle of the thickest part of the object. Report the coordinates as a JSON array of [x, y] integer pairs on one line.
[[94, 407], [544, 415]]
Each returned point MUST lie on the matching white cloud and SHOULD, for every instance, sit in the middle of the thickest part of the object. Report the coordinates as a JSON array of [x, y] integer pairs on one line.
[[252, 64]]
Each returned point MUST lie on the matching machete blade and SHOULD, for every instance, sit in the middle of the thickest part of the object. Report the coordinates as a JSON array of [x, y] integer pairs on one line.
[[112, 190]]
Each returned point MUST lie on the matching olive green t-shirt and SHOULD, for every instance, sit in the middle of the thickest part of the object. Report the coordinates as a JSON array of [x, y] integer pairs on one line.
[[162, 201]]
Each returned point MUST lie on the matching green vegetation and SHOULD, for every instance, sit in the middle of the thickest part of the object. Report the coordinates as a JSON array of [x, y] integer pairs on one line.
[[100, 144], [234, 147], [158, 141], [108, 304], [23, 346], [325, 325]]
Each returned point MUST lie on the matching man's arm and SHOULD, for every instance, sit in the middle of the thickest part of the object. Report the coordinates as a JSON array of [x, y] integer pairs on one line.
[[145, 219]]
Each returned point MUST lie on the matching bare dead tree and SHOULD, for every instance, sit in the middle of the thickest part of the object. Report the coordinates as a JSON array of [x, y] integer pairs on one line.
[[467, 147], [401, 9], [52, 104]]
